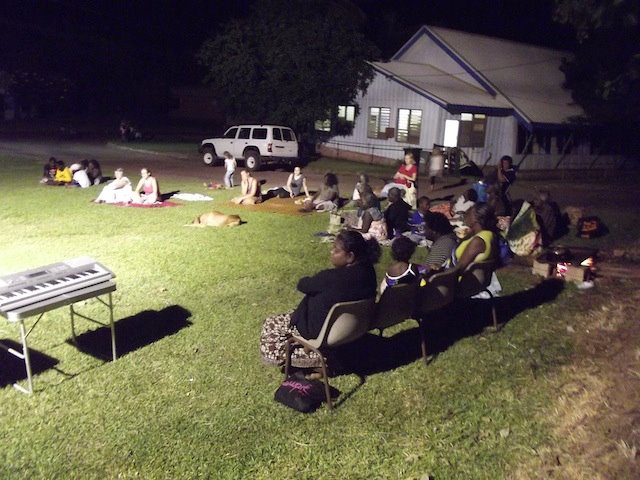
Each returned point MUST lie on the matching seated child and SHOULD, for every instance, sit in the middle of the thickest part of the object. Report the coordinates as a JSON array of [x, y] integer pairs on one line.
[[49, 171], [463, 203], [401, 270]]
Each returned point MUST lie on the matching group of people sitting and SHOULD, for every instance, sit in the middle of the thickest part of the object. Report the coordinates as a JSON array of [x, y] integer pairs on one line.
[[87, 173], [120, 190], [82, 174], [353, 276]]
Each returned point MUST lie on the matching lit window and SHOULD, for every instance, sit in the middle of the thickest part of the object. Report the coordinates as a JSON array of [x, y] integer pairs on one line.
[[378, 123], [347, 112], [409, 126]]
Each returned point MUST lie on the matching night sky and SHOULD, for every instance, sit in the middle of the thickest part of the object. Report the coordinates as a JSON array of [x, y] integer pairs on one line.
[[107, 46]]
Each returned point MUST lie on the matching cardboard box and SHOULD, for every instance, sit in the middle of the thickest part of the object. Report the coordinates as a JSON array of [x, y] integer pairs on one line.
[[543, 269]]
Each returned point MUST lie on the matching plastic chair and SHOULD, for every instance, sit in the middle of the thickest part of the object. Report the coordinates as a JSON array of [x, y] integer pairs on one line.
[[474, 280], [345, 322], [395, 305], [439, 292]]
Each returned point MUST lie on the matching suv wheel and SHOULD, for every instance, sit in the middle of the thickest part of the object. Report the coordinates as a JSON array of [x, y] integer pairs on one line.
[[252, 160], [208, 156]]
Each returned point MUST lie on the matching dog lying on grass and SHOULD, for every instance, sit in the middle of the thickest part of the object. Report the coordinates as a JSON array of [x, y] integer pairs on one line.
[[215, 219]]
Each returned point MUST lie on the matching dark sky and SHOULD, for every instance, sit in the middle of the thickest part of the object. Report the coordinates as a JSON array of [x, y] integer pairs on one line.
[[117, 43]]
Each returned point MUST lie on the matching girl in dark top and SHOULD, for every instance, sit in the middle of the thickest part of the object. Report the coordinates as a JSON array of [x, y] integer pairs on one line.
[[352, 278], [401, 270]]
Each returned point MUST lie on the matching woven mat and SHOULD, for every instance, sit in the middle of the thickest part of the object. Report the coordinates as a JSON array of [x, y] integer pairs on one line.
[[285, 206], [146, 205]]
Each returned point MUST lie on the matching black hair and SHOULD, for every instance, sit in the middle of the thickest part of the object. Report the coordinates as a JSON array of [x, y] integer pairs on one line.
[[485, 215], [438, 222], [394, 194], [402, 248], [471, 195], [363, 250], [369, 200], [330, 179], [60, 163], [507, 158], [424, 200]]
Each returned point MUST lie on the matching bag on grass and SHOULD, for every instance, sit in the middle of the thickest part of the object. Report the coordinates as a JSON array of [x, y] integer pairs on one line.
[[300, 394]]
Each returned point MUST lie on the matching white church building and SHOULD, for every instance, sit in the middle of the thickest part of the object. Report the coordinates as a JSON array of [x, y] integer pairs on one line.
[[487, 96]]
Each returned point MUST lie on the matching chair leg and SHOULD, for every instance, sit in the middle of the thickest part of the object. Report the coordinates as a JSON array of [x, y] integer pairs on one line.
[[287, 357], [423, 342], [325, 380], [494, 315], [323, 367]]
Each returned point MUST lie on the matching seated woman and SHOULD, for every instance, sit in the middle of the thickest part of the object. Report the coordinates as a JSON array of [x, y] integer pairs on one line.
[[63, 175], [439, 231], [480, 245], [362, 187], [94, 172], [296, 186], [147, 191], [401, 271], [397, 214], [249, 190], [352, 278], [404, 177], [49, 171], [370, 223], [325, 199], [117, 191]]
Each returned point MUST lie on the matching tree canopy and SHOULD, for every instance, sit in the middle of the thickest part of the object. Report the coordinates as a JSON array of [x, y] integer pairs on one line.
[[290, 61], [604, 74]]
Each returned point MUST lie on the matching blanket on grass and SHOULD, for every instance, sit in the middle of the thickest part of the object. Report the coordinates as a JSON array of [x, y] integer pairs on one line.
[[146, 205]]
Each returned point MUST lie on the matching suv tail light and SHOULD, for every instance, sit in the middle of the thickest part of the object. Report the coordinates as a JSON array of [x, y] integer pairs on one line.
[[270, 147]]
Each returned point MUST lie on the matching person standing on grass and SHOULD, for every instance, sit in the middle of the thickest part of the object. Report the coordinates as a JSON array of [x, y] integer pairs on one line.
[[352, 278], [230, 165]]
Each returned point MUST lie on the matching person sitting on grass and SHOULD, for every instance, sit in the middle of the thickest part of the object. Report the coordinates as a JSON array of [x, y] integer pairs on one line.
[[80, 177], [296, 186], [325, 199], [49, 171], [416, 222], [249, 190], [117, 191], [147, 191], [63, 175], [370, 223], [352, 278], [397, 214], [94, 172], [462, 204], [401, 270]]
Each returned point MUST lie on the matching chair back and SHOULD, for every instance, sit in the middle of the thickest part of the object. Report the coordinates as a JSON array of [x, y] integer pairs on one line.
[[396, 304], [438, 292], [345, 322], [475, 279]]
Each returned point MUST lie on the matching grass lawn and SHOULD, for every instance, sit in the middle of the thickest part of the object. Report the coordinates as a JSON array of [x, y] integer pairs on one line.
[[189, 397]]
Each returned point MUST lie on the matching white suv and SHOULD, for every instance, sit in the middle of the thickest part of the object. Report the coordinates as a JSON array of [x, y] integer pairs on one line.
[[257, 144]]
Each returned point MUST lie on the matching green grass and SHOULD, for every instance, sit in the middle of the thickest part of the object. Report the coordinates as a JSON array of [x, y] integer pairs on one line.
[[199, 403]]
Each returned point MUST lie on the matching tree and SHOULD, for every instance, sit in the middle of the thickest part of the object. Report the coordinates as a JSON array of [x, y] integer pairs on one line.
[[290, 61], [604, 74]]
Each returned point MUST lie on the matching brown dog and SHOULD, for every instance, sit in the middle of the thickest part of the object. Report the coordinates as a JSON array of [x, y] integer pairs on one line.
[[215, 219]]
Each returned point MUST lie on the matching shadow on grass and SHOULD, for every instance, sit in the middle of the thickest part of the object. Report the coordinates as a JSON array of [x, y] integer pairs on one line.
[[12, 369], [374, 354], [133, 332]]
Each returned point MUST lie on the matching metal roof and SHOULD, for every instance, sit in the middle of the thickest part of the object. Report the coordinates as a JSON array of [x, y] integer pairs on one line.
[[487, 73]]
